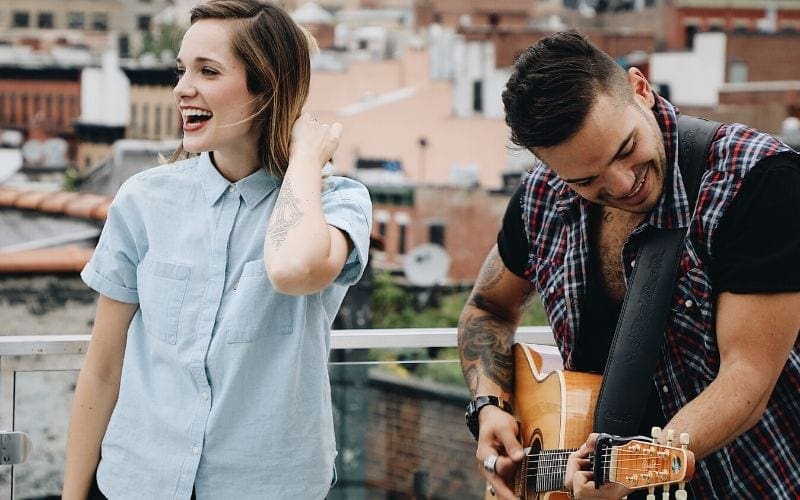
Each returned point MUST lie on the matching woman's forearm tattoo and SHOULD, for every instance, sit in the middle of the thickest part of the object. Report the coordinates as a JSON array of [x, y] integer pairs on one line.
[[286, 214]]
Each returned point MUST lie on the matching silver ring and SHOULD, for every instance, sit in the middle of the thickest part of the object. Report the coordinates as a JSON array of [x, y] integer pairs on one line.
[[489, 464]]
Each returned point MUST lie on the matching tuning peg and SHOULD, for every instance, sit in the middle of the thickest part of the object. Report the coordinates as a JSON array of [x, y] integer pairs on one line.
[[681, 493], [670, 437], [655, 432], [665, 492], [651, 493]]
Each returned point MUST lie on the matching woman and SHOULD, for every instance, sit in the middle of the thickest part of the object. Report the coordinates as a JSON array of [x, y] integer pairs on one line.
[[219, 278]]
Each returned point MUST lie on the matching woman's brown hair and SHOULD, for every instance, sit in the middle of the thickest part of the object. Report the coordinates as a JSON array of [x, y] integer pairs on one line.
[[276, 53]]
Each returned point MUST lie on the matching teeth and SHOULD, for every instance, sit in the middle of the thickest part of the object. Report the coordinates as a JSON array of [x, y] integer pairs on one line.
[[195, 112], [638, 187]]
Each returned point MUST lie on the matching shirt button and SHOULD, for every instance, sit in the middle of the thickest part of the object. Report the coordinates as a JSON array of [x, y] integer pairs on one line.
[[552, 289], [232, 189], [689, 304], [204, 394], [196, 450], [664, 389], [633, 263]]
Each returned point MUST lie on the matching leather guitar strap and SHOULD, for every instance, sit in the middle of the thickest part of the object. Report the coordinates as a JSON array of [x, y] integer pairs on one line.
[[628, 378]]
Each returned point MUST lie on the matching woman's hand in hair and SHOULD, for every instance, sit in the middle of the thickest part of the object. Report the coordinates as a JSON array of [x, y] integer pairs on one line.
[[314, 142]]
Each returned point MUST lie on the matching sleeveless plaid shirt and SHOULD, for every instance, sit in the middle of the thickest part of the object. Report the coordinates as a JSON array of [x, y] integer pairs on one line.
[[761, 463]]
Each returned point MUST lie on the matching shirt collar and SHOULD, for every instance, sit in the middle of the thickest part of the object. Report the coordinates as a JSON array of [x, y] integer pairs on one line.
[[672, 209], [253, 188]]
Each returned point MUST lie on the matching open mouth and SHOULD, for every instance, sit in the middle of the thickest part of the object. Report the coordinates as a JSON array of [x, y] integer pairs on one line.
[[194, 116], [637, 187]]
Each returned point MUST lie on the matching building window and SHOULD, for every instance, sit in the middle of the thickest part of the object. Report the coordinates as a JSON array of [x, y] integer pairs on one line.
[[45, 20], [12, 111], [2, 107], [477, 96], [62, 119], [100, 21], [157, 131], [494, 19], [741, 25], [436, 233], [133, 123], [145, 118], [24, 117], [74, 110], [76, 20], [20, 19], [738, 72], [143, 23], [124, 46], [401, 240], [690, 30], [169, 116]]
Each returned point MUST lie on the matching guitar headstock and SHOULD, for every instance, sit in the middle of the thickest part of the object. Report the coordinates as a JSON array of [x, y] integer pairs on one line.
[[638, 462]]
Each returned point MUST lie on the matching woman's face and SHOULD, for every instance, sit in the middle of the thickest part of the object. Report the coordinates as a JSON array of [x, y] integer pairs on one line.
[[211, 93]]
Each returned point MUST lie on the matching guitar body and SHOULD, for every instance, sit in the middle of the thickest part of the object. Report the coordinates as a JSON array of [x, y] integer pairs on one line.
[[555, 407]]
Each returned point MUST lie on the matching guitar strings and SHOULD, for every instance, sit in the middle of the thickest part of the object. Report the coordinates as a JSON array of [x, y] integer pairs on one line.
[[551, 462]]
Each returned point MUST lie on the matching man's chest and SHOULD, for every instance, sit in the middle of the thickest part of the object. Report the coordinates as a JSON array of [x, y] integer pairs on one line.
[[609, 230]]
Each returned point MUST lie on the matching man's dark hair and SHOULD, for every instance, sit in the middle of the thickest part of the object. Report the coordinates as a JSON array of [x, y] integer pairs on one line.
[[553, 87]]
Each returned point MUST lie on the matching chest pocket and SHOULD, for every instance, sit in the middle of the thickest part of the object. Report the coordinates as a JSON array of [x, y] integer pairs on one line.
[[256, 309], [549, 282], [162, 288], [692, 309]]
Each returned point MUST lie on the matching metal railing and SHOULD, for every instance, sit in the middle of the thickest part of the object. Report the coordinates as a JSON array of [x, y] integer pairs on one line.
[[22, 356]]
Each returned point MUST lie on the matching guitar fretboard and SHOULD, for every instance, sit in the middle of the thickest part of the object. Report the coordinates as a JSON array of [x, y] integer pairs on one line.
[[551, 468]]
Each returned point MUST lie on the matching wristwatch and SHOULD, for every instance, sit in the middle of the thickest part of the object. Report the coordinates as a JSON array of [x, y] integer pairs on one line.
[[476, 405]]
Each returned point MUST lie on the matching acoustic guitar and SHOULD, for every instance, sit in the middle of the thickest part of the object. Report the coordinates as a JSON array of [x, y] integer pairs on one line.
[[555, 409]]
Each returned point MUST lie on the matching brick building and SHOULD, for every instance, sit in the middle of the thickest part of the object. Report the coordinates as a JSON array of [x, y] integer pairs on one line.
[[153, 113], [684, 18], [511, 41], [463, 221], [453, 13], [44, 23], [48, 97]]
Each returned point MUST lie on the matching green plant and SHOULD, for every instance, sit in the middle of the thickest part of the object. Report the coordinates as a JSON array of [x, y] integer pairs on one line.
[[396, 307]]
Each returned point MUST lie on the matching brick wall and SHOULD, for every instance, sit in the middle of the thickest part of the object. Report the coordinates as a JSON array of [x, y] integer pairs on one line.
[[416, 434], [782, 62]]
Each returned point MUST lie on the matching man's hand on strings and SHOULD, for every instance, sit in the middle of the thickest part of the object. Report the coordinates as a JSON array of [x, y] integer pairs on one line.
[[499, 452], [579, 478]]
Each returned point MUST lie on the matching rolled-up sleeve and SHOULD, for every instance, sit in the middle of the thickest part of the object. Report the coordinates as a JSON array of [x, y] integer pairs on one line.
[[347, 206], [112, 269]]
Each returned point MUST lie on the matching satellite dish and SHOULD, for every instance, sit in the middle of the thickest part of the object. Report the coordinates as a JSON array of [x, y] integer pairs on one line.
[[33, 152], [55, 152], [426, 265]]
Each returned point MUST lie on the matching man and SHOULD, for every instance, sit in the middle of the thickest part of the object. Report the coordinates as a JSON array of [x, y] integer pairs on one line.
[[728, 371]]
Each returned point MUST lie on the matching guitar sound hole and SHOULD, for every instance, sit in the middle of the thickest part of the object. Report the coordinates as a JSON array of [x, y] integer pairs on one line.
[[532, 469]]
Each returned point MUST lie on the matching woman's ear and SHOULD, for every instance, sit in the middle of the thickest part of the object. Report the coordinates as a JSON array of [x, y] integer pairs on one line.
[[641, 87]]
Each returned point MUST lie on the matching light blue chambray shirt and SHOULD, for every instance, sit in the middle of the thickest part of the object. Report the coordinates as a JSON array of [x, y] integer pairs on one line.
[[225, 383]]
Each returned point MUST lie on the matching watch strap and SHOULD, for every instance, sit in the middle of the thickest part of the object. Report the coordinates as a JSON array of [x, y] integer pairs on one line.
[[476, 405]]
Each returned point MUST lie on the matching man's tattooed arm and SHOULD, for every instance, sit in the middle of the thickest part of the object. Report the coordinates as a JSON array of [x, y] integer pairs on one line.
[[486, 327], [485, 347]]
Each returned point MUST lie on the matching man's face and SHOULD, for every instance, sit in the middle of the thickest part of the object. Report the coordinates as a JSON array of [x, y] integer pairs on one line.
[[617, 157]]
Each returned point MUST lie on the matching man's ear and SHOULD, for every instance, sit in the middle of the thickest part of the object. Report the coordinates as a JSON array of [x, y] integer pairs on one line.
[[641, 87]]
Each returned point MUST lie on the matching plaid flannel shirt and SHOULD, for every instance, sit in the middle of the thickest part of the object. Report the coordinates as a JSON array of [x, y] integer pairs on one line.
[[758, 464]]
